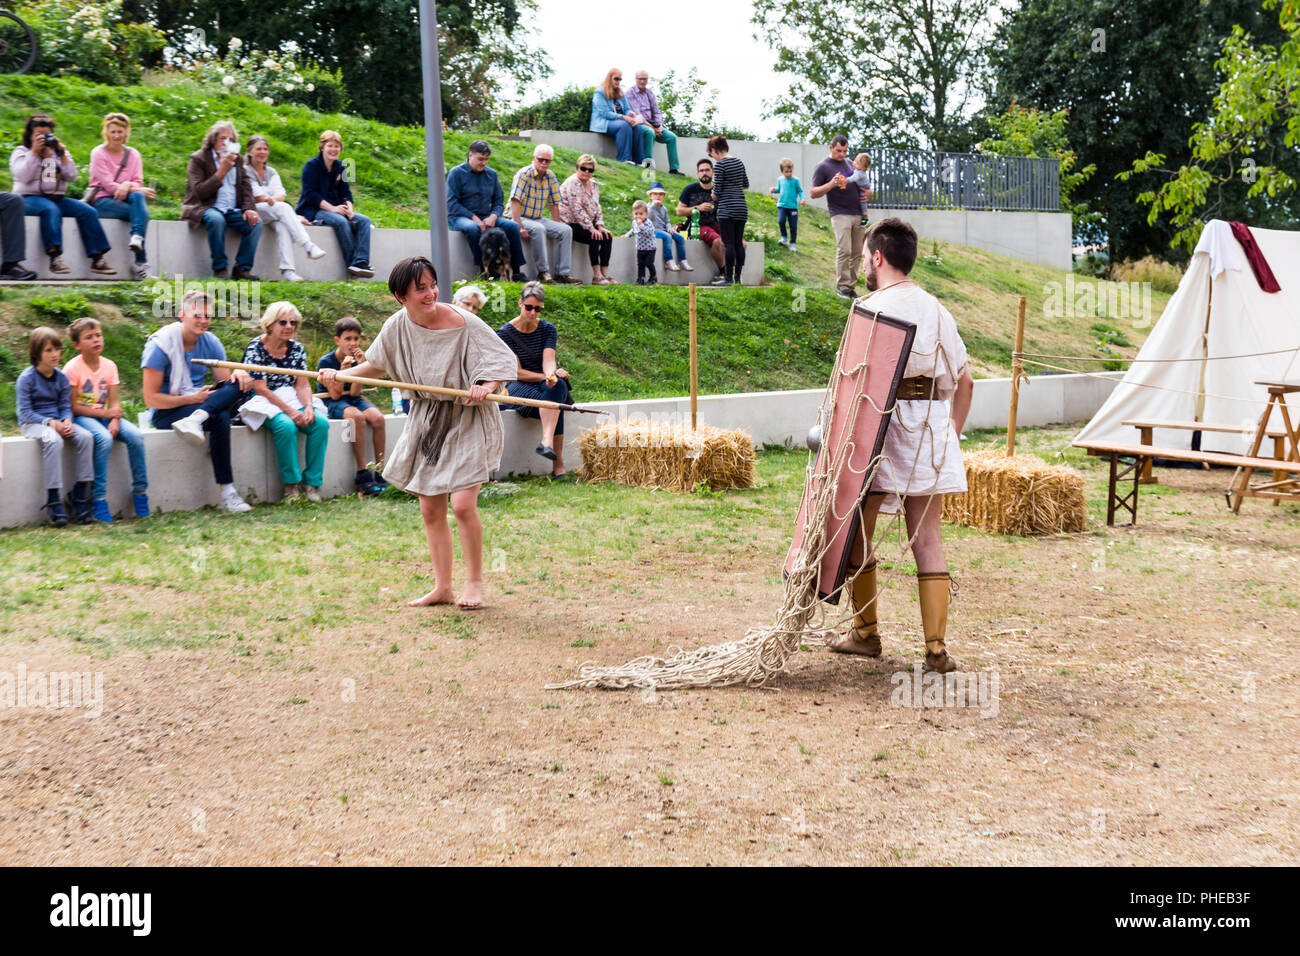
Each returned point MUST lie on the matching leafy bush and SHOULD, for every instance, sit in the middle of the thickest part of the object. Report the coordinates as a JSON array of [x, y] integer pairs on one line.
[[62, 308], [91, 39], [1163, 276], [569, 111], [273, 78]]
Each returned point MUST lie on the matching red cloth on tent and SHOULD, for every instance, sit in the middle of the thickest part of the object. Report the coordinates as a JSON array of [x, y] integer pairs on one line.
[[1258, 264]]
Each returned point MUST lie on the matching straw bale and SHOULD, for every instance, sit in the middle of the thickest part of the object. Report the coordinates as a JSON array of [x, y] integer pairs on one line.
[[1020, 495], [667, 455]]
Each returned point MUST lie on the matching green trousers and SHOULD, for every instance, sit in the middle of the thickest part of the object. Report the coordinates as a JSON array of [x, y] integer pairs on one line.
[[285, 435]]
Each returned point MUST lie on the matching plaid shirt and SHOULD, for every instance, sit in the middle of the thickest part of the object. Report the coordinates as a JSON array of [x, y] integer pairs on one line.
[[535, 195]]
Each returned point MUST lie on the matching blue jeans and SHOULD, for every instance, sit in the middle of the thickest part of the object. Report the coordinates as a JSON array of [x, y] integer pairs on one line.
[[128, 435], [135, 210], [52, 209], [677, 239], [790, 216], [472, 234], [220, 405], [216, 222], [627, 140], [354, 235]]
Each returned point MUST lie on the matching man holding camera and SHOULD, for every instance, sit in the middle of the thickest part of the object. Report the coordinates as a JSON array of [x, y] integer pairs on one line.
[[42, 169], [218, 196]]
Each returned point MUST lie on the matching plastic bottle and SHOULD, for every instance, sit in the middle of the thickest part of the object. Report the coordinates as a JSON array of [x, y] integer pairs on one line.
[[694, 232], [397, 401]]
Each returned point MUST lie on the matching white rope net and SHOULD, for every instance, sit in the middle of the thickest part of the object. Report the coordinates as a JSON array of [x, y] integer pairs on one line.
[[765, 650]]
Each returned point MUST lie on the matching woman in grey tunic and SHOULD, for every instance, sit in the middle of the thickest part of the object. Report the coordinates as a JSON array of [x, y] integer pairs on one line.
[[448, 447]]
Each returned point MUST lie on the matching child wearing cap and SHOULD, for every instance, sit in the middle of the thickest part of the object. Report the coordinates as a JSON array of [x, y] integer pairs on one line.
[[659, 219]]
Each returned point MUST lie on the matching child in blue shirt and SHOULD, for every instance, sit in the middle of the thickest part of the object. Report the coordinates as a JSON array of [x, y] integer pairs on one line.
[[789, 197], [345, 402], [45, 414]]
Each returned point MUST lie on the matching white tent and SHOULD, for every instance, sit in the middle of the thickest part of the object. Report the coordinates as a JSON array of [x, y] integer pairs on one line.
[[1219, 310]]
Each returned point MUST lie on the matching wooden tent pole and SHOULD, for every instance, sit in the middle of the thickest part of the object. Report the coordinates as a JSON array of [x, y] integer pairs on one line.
[[695, 368], [1017, 372]]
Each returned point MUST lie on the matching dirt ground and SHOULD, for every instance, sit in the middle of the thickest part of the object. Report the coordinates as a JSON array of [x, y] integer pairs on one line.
[[1146, 714]]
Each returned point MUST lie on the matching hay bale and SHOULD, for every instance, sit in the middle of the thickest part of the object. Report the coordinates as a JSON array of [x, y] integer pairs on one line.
[[667, 455], [1020, 495]]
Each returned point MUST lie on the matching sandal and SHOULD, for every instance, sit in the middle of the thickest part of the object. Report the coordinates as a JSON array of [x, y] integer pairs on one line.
[[546, 451]]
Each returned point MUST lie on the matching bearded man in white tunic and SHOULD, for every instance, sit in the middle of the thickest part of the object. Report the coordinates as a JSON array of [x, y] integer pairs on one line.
[[921, 458]]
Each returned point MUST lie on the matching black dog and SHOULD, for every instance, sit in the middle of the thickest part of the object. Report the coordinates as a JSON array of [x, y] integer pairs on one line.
[[495, 248]]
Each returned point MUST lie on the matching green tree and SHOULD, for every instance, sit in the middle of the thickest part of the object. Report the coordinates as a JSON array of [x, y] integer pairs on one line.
[[1245, 146], [375, 44], [1135, 76], [889, 72], [690, 106], [1033, 132]]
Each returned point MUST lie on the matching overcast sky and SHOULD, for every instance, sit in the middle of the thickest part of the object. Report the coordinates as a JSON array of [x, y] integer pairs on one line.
[[586, 39]]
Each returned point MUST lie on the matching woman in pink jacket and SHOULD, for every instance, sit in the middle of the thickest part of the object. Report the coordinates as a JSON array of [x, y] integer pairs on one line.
[[117, 189], [42, 167]]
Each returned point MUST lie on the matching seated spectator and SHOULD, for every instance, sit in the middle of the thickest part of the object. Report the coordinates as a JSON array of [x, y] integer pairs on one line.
[[286, 403], [580, 208], [475, 203], [612, 116], [698, 197], [268, 193], [117, 189], [13, 240], [533, 192], [95, 407], [652, 130], [533, 342], [345, 402], [327, 201], [469, 297], [664, 230], [219, 196], [42, 167], [45, 414], [173, 387]]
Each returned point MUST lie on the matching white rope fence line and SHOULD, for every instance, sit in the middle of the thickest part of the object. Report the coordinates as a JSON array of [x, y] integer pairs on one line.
[[1165, 388], [1118, 358]]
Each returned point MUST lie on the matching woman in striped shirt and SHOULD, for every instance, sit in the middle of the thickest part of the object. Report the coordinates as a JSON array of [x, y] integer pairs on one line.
[[729, 184]]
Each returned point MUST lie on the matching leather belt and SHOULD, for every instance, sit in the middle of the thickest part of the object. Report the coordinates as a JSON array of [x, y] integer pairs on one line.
[[918, 389]]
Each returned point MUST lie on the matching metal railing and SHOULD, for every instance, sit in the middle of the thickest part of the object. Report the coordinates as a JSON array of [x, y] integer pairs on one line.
[[915, 179]]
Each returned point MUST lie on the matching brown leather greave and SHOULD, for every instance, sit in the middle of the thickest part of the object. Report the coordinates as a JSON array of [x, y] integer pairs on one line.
[[863, 597], [933, 589]]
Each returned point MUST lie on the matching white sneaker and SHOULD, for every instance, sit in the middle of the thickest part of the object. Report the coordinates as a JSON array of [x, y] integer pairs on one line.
[[783, 241], [686, 266], [140, 270], [190, 430], [230, 501], [671, 266], [793, 247], [314, 251], [288, 275], [136, 243], [313, 493], [290, 493]]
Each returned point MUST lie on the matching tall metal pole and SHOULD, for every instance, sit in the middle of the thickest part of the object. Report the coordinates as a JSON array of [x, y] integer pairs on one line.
[[433, 146]]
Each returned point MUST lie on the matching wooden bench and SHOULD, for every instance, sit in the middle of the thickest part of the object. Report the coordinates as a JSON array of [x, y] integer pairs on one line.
[[1146, 425], [1144, 453]]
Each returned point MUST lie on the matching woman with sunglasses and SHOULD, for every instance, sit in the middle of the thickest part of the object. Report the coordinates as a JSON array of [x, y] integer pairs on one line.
[[580, 208], [612, 116], [533, 342], [289, 398], [117, 189]]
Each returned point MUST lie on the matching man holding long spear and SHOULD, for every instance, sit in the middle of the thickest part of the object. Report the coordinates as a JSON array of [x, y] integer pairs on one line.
[[447, 449]]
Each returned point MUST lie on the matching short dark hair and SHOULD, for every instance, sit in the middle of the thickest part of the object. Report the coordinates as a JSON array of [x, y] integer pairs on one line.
[[718, 144], [479, 146], [840, 141], [40, 339], [704, 162], [33, 121], [83, 324], [407, 272], [896, 241], [348, 323]]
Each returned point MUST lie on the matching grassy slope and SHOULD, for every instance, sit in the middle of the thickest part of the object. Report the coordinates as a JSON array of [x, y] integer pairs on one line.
[[621, 342]]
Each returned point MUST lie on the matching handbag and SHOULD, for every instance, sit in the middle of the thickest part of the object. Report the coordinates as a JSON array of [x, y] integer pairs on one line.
[[93, 192]]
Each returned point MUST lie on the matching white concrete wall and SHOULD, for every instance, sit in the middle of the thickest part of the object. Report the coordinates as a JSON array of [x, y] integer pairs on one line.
[[175, 248], [180, 474], [1044, 238]]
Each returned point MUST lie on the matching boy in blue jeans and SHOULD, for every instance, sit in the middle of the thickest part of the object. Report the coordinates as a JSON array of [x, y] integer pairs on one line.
[[95, 408], [789, 196], [345, 402]]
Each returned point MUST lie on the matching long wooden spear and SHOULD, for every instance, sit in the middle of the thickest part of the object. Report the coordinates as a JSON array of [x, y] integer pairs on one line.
[[500, 397]]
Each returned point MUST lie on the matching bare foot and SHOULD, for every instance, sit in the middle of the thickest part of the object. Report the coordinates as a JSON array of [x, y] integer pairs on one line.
[[850, 643], [436, 596], [472, 596]]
